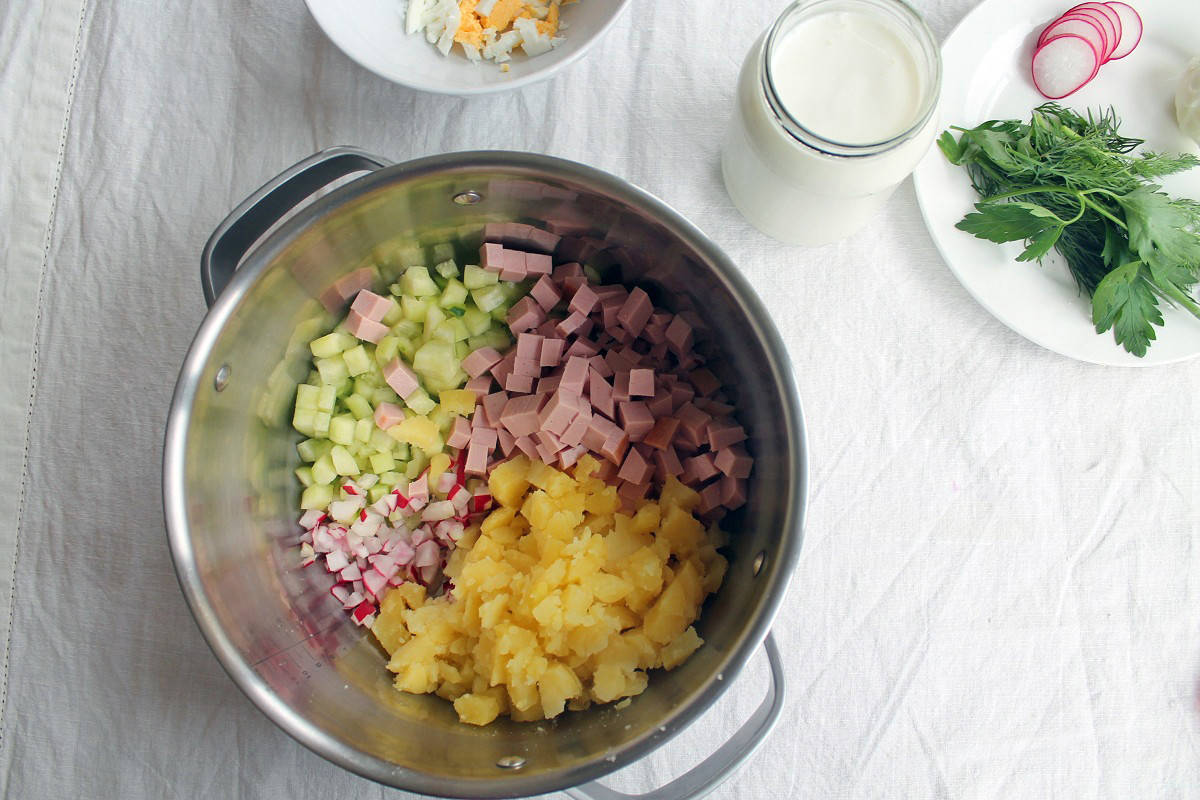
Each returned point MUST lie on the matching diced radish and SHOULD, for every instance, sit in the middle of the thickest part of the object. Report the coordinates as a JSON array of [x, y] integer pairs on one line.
[[354, 599], [418, 490], [367, 481], [323, 540], [396, 579], [445, 481], [1131, 29], [442, 509], [351, 573], [336, 561], [427, 553], [383, 506], [403, 553], [340, 592], [374, 544], [363, 610], [349, 488], [482, 503], [1063, 65], [420, 536], [425, 574], [1085, 26], [311, 518], [374, 582]]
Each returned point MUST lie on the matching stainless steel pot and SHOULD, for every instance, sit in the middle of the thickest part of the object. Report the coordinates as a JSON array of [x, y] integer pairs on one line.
[[230, 496]]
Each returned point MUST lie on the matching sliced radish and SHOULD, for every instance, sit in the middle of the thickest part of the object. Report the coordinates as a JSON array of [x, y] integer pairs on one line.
[[1063, 65], [1082, 25], [1131, 29], [1107, 18]]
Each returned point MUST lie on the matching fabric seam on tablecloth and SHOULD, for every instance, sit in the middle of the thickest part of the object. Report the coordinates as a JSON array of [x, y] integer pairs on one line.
[[56, 64]]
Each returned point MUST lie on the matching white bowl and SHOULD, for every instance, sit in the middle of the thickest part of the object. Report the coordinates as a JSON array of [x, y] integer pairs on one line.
[[372, 33]]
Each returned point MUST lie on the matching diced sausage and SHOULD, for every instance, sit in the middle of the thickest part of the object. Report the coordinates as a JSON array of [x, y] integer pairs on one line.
[[710, 498], [507, 441], [525, 315], [334, 298], [584, 300], [693, 421], [518, 383], [667, 464], [387, 415], [569, 457], [663, 433], [548, 384], [585, 348], [635, 469], [477, 459], [701, 466], [733, 493], [680, 336], [527, 367], [734, 461], [487, 437], [635, 311], [480, 385], [494, 405], [480, 361], [572, 324], [549, 442], [600, 395], [366, 329], [491, 256], [560, 411], [573, 435], [504, 367], [520, 414], [527, 446], [641, 383], [402, 379], [372, 306], [551, 353], [460, 433], [529, 346], [724, 433], [546, 293], [632, 492], [575, 375], [636, 420], [538, 264], [705, 382], [601, 366], [661, 405]]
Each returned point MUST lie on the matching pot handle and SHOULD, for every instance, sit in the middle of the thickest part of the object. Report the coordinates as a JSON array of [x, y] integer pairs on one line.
[[702, 779], [238, 232]]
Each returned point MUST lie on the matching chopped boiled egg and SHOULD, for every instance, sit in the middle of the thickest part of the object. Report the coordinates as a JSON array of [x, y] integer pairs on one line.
[[487, 29]]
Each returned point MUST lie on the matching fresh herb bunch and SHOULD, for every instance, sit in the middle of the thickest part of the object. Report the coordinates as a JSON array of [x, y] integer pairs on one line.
[[1069, 183]]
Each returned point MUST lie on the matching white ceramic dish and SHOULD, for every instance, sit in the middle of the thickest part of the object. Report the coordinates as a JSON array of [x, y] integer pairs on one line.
[[986, 76], [371, 32]]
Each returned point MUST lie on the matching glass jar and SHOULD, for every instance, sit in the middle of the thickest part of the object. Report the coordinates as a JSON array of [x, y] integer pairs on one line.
[[835, 107]]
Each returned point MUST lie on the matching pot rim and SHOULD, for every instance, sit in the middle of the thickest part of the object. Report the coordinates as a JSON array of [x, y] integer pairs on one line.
[[196, 366]]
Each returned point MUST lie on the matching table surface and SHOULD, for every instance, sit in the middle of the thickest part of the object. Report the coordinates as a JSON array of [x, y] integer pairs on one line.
[[999, 591]]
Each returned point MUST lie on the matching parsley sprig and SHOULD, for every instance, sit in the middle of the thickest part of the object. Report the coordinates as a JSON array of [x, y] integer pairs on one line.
[[1073, 184]]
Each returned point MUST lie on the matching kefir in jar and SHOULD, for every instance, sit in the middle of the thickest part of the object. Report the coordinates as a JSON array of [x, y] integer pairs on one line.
[[836, 104]]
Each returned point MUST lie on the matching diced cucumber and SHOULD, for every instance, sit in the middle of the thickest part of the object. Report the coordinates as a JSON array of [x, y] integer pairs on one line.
[[345, 388], [307, 396], [362, 430], [393, 315], [444, 333], [317, 496], [462, 350], [442, 251], [592, 274], [499, 339], [321, 424], [420, 402], [475, 342], [344, 462], [434, 316], [382, 462], [447, 269], [380, 442], [388, 479], [401, 452], [476, 321], [500, 312], [357, 360], [376, 492], [436, 360], [414, 308], [488, 298], [385, 351], [305, 476], [454, 295], [410, 328], [476, 277], [323, 470], [384, 394], [341, 429], [333, 369], [307, 450], [358, 405], [304, 420], [332, 344], [416, 466], [416, 282], [327, 399], [461, 334]]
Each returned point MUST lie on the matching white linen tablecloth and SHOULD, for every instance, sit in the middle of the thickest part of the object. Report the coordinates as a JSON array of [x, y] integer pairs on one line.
[[999, 591]]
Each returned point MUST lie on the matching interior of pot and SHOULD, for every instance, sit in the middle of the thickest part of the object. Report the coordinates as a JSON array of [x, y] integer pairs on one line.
[[232, 498]]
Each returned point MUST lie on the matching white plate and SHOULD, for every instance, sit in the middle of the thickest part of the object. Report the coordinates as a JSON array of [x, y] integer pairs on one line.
[[986, 76], [372, 33]]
